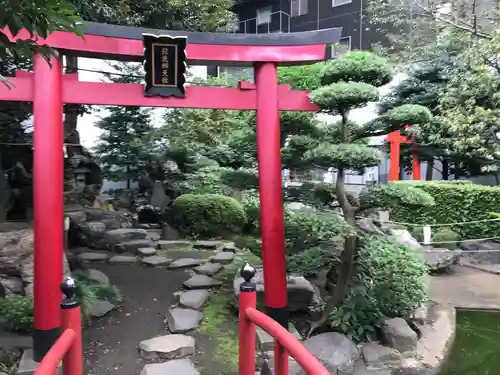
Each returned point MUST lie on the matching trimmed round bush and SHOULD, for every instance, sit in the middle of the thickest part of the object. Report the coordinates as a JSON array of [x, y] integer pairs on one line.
[[208, 215], [446, 235], [391, 280]]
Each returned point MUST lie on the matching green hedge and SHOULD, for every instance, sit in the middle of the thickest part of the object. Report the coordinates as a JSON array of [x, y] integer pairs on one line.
[[208, 215], [456, 201]]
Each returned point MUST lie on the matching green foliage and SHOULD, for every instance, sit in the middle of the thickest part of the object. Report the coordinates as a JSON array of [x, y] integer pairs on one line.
[[391, 280], [357, 66], [348, 156], [407, 114], [309, 262], [90, 291], [395, 194], [241, 178], [303, 77], [40, 19], [208, 215], [447, 236], [251, 207], [17, 313], [309, 228], [339, 97], [455, 202]]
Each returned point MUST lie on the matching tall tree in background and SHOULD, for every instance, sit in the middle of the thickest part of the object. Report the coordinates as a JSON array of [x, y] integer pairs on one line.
[[126, 139], [412, 25]]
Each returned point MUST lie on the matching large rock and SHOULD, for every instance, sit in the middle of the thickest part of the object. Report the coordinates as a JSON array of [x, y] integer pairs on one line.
[[441, 260], [436, 339], [132, 246], [168, 233], [378, 356], [438, 260], [335, 351], [159, 198], [167, 347], [176, 366], [92, 231], [300, 291], [398, 335], [17, 262], [182, 320], [118, 236]]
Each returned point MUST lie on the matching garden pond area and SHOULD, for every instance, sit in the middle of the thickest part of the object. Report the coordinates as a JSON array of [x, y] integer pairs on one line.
[[477, 344]]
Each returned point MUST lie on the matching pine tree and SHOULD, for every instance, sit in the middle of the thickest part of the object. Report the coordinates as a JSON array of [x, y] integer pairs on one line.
[[126, 140]]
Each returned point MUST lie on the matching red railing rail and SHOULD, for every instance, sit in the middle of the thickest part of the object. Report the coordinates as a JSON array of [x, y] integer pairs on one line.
[[285, 343], [68, 347]]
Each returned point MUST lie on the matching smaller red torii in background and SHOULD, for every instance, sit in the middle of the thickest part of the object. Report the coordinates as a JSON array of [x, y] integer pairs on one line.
[[395, 139]]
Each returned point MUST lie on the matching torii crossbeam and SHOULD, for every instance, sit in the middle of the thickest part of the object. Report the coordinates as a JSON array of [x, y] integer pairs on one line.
[[48, 88]]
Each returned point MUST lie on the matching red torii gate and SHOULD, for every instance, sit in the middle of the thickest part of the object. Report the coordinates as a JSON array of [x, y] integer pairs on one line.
[[395, 139], [48, 88]]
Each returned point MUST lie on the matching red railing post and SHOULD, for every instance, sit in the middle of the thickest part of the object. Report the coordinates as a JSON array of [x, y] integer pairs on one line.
[[247, 333], [71, 319]]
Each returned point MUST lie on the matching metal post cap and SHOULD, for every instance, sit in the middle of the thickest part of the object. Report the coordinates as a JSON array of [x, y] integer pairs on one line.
[[68, 287], [248, 272]]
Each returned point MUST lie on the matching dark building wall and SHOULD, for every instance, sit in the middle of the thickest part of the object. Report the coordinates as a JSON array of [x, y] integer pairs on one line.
[[357, 30]]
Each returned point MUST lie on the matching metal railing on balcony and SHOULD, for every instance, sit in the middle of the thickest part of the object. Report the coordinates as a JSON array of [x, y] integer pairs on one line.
[[278, 22]]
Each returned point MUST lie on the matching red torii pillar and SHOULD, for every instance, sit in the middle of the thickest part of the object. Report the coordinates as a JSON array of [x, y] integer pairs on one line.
[[395, 139]]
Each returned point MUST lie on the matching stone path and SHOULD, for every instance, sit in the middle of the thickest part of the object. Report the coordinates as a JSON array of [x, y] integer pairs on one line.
[[155, 320], [467, 288]]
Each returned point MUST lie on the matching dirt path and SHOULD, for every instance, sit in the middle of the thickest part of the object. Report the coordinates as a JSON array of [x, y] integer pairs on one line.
[[467, 288], [111, 342]]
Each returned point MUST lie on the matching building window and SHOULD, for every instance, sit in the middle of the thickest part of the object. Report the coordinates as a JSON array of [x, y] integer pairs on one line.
[[299, 7], [264, 15], [336, 3], [343, 46]]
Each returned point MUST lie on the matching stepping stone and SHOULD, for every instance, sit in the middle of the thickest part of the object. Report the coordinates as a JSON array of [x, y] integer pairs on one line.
[[201, 282], [194, 298], [123, 259], [98, 276], [208, 269], [132, 246], [182, 320], [167, 347], [168, 245], [100, 308], [146, 251], [186, 262], [229, 246], [155, 260], [208, 244], [176, 366], [224, 257], [89, 257]]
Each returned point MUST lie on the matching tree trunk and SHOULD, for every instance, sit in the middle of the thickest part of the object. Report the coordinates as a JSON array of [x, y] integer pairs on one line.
[[430, 169], [127, 173], [446, 170], [346, 268], [5, 194]]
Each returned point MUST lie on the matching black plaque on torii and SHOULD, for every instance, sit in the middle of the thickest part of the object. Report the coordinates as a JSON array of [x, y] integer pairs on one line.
[[165, 65]]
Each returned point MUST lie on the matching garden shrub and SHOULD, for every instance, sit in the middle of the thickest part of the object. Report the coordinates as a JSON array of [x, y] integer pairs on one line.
[[251, 206], [309, 228], [455, 201], [446, 235], [391, 280], [309, 262], [208, 215], [17, 313]]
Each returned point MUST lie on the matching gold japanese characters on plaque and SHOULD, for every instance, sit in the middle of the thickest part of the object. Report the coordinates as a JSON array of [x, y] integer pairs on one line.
[[165, 65]]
